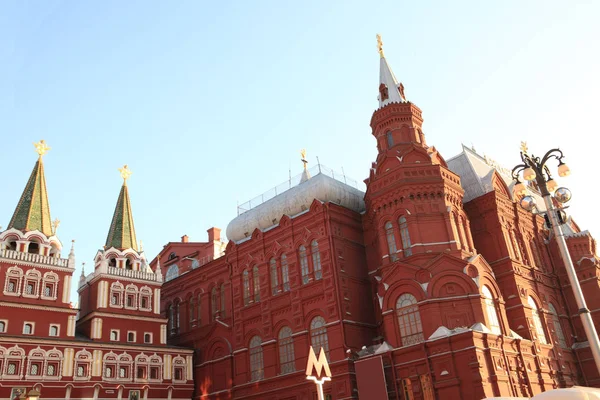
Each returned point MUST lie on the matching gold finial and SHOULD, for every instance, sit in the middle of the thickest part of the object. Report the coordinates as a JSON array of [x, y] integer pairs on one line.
[[41, 148], [524, 147], [55, 225], [125, 173], [380, 45], [303, 159]]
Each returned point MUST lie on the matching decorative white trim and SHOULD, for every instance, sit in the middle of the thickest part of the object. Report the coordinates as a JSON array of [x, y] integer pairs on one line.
[[134, 336], [35, 307], [151, 337], [118, 332], [5, 321]]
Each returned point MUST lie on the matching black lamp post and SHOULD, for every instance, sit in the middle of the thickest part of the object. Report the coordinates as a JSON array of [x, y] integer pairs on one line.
[[535, 169]]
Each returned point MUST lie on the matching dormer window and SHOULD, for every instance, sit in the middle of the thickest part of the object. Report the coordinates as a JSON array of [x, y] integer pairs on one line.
[[383, 92]]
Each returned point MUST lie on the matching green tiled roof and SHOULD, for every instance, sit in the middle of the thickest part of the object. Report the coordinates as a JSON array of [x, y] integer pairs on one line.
[[33, 210], [122, 232]]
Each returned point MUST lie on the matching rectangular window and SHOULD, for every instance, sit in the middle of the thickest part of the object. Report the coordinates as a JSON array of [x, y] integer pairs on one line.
[[3, 326], [390, 139], [154, 372], [114, 335], [131, 336], [147, 338], [28, 328]]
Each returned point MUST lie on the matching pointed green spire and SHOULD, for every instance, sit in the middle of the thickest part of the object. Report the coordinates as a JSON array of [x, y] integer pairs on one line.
[[33, 211], [122, 232]]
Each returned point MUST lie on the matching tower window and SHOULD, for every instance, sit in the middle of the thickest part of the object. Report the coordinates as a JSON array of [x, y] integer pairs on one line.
[[390, 139]]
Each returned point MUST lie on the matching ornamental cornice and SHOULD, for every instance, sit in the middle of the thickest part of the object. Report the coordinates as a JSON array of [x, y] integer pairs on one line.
[[94, 314], [36, 341], [36, 307], [122, 278], [32, 264]]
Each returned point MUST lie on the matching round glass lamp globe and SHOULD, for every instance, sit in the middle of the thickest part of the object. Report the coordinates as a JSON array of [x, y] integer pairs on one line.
[[562, 195], [563, 170], [528, 203]]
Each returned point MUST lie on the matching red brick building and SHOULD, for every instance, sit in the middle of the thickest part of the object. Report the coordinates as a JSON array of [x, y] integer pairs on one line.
[[115, 345], [433, 284]]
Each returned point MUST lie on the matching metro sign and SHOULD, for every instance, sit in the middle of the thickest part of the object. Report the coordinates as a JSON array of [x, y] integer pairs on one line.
[[321, 370]]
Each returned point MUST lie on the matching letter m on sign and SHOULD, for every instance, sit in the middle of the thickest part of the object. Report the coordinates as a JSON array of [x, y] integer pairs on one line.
[[317, 365]]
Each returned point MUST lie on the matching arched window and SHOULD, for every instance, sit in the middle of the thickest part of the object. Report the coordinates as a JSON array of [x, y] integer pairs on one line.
[[256, 282], [537, 321], [390, 139], [192, 312], [177, 316], [131, 297], [557, 326], [285, 273], [172, 273], [171, 317], [316, 258], [406, 244], [28, 329], [286, 350], [246, 283], [492, 313], [274, 277], [214, 302], [2, 327], [318, 336], [303, 264], [409, 319], [53, 330], [391, 241], [199, 310], [256, 359], [222, 302]]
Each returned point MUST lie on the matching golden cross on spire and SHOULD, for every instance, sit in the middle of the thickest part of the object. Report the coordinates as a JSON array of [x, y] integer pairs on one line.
[[380, 45], [303, 159], [125, 173], [41, 148], [55, 225], [524, 147]]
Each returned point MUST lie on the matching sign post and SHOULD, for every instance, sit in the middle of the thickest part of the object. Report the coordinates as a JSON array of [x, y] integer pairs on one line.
[[321, 370]]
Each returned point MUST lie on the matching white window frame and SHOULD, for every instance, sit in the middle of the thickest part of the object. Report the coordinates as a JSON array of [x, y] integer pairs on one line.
[[49, 278], [5, 326], [32, 276], [57, 326], [32, 328], [134, 336], [151, 338], [17, 274], [118, 332]]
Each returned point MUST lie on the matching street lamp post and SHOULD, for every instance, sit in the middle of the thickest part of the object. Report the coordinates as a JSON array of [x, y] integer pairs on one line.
[[535, 169]]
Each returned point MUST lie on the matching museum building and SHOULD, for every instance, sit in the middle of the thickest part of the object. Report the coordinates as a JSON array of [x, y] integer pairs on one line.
[[432, 284]]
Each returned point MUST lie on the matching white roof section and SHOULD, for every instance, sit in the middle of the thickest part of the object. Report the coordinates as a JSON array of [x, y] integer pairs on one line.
[[294, 201], [387, 78], [476, 173]]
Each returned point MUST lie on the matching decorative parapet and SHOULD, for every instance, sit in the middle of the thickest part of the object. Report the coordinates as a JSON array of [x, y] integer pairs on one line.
[[34, 258], [129, 273]]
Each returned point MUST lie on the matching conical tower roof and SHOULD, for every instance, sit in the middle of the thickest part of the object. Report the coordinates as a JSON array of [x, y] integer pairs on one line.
[[390, 90], [33, 211], [122, 232]]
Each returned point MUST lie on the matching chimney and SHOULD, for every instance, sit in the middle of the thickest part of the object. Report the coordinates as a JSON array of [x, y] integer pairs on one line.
[[214, 234], [185, 239]]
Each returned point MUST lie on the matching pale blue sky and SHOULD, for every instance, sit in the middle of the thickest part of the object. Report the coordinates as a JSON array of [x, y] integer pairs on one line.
[[210, 102]]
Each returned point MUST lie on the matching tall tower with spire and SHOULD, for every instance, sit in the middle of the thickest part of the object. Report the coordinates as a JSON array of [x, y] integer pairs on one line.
[[36, 280], [414, 202], [122, 287]]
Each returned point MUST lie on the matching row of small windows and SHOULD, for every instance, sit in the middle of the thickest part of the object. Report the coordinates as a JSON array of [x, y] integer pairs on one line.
[[115, 335], [279, 273], [32, 247], [285, 345], [130, 297], [29, 328], [390, 234], [194, 309], [30, 284]]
